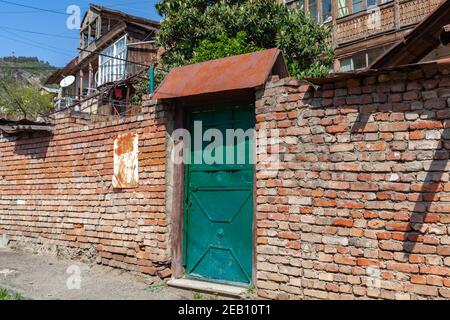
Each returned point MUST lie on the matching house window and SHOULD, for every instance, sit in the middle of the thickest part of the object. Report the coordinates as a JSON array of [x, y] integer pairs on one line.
[[357, 6], [326, 11], [313, 9], [355, 62], [342, 8], [346, 7], [361, 60], [112, 64], [374, 54], [346, 65], [320, 10]]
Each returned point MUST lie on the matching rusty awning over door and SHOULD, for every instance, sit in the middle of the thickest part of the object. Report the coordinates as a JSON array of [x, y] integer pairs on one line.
[[233, 73]]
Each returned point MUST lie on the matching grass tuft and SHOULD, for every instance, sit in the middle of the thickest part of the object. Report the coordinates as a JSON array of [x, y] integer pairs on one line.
[[5, 295]]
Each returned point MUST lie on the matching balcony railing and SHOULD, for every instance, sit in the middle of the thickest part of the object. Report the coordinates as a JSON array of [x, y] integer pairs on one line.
[[382, 19]]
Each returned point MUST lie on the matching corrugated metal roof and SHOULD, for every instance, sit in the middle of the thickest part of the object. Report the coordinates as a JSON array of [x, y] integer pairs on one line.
[[233, 73], [59, 74], [11, 126], [125, 16]]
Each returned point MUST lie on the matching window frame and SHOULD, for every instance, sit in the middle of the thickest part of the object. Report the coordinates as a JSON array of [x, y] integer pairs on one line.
[[336, 15], [112, 69], [319, 19], [322, 18], [367, 60], [318, 7], [364, 6]]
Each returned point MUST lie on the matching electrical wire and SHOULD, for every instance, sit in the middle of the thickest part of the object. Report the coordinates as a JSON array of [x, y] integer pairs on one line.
[[36, 43], [29, 68], [17, 12], [65, 13], [34, 8], [39, 33], [115, 58]]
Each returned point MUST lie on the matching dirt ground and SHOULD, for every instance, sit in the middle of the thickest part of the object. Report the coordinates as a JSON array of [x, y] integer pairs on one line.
[[45, 277]]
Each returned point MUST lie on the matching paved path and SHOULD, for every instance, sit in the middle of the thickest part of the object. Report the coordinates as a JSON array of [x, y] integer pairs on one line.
[[44, 277]]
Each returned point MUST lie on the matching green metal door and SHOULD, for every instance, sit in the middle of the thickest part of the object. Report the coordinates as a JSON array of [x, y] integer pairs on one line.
[[219, 197]]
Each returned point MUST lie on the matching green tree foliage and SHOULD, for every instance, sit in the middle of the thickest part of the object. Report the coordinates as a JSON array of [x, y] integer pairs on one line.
[[191, 27], [223, 47], [23, 103]]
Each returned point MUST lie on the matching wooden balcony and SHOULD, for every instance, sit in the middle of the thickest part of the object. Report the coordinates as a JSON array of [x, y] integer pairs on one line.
[[392, 17]]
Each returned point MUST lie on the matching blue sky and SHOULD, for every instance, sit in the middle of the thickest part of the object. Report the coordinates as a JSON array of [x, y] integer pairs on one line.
[[20, 27]]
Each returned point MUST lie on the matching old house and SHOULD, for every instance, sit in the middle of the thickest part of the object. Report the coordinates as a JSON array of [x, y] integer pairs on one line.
[[115, 51], [363, 30], [344, 192]]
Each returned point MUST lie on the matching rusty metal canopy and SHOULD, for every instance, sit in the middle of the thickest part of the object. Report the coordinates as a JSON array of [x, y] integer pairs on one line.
[[233, 73]]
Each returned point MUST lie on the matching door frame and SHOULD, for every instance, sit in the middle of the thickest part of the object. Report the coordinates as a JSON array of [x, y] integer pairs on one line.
[[177, 207]]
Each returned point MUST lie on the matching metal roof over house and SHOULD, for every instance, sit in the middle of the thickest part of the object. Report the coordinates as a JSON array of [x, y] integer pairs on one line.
[[240, 72], [59, 74], [144, 22], [12, 126]]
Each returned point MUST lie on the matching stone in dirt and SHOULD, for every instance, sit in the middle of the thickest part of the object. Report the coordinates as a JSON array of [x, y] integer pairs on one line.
[[7, 272], [3, 241]]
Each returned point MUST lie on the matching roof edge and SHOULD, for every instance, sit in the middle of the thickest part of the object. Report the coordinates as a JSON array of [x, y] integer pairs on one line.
[[275, 61], [402, 51]]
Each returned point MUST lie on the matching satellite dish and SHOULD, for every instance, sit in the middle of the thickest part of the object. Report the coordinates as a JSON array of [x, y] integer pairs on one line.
[[67, 81]]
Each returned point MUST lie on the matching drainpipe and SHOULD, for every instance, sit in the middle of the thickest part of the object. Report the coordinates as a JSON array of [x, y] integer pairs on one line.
[[152, 80], [81, 84]]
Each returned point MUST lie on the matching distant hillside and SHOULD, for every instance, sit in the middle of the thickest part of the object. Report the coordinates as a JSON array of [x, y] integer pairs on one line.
[[20, 81], [26, 71]]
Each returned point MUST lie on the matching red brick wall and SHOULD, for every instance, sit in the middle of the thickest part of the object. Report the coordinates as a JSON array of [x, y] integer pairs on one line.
[[359, 208], [57, 191], [361, 205]]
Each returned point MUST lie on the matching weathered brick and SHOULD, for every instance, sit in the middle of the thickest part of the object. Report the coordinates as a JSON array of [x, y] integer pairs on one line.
[[361, 185], [423, 290]]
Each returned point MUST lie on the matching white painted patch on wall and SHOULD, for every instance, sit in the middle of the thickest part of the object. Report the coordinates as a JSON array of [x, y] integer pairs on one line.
[[394, 177]]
